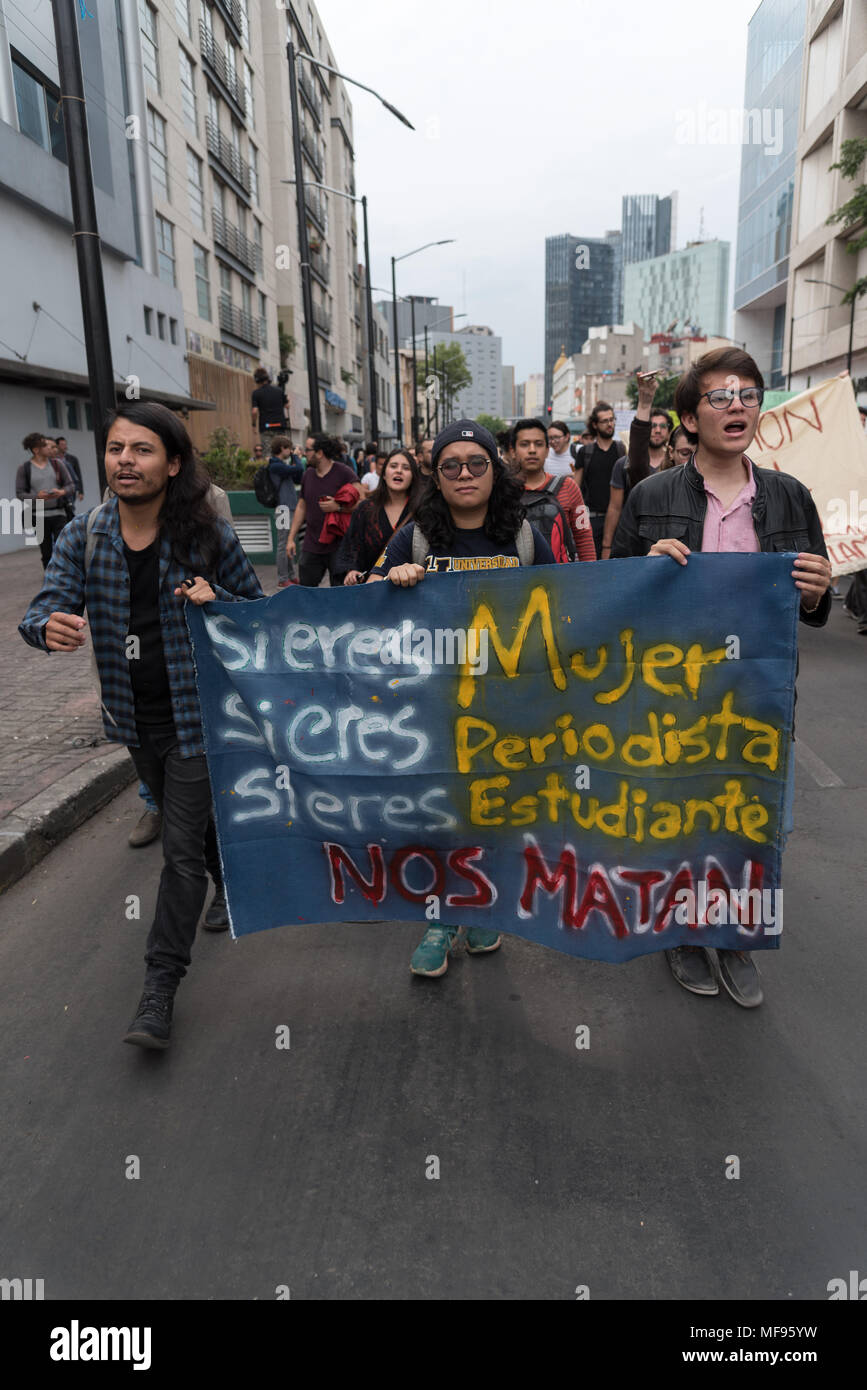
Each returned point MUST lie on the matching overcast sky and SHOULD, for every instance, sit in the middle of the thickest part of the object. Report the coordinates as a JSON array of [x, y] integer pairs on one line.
[[533, 119]]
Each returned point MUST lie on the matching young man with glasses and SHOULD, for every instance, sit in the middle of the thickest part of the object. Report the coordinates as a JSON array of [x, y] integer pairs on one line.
[[594, 466], [559, 462], [471, 518], [720, 501]]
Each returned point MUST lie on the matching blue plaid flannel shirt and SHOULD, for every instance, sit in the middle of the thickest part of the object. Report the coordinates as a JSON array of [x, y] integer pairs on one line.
[[104, 592]]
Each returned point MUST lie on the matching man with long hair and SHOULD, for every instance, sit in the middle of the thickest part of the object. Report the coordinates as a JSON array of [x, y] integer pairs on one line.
[[720, 501], [470, 517], [133, 563], [594, 464]]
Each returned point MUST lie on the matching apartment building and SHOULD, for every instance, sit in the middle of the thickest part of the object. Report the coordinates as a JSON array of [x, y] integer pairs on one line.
[[328, 158], [43, 374], [833, 108]]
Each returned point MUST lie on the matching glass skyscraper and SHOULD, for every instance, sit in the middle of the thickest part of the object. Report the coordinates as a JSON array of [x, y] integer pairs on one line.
[[581, 292], [772, 96], [647, 226]]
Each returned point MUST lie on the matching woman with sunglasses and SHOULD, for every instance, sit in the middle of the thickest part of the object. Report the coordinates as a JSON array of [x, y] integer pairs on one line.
[[470, 518], [374, 523]]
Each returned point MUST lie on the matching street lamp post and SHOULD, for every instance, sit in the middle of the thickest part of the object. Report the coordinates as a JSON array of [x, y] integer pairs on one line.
[[446, 242], [371, 350], [832, 286], [292, 55]]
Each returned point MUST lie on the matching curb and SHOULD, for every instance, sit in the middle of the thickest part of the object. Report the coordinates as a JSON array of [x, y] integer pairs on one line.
[[32, 830]]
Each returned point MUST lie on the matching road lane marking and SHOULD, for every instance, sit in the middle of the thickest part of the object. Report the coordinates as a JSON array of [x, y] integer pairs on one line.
[[820, 772]]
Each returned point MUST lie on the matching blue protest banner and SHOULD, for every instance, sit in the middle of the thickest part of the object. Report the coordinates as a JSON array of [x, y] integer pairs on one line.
[[593, 757]]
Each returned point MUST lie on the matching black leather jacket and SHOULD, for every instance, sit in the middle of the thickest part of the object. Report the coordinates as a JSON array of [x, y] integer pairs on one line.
[[671, 505]]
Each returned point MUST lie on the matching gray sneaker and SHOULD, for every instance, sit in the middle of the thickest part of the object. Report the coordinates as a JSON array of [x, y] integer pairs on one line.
[[147, 829], [692, 967], [739, 975]]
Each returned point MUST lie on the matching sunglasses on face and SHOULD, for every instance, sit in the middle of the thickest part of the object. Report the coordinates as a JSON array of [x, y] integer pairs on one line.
[[452, 468]]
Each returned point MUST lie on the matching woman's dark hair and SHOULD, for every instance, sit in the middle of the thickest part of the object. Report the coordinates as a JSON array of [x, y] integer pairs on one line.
[[670, 461], [382, 495], [690, 388], [187, 516], [503, 520]]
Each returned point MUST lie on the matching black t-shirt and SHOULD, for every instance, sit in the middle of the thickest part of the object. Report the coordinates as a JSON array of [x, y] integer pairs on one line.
[[150, 679], [271, 406], [598, 465], [471, 550]]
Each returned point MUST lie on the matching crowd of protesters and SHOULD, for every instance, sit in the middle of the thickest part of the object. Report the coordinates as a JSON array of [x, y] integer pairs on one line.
[[462, 501]]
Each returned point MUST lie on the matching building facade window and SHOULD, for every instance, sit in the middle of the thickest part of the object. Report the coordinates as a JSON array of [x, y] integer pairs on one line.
[[203, 284], [173, 331], [38, 118], [52, 413], [88, 417], [188, 89], [245, 23], [158, 152], [213, 109], [182, 14], [254, 172], [72, 415], [149, 321], [166, 250], [149, 49], [196, 188], [161, 326], [263, 320], [248, 96]]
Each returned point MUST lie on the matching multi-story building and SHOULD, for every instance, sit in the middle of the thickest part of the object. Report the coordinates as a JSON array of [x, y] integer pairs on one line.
[[483, 351], [648, 225], [424, 311], [199, 93], [508, 393], [833, 108], [615, 241], [43, 381], [613, 348], [520, 395], [534, 403], [689, 287], [328, 158], [773, 85], [383, 367], [581, 289]]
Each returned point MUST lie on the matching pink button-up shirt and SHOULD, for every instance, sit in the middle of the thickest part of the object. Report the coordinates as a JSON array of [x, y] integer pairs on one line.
[[731, 528]]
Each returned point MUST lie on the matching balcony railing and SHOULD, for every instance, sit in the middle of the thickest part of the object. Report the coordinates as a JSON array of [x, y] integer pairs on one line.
[[320, 265], [310, 146], [227, 235], [308, 87], [240, 324], [321, 320], [217, 63], [231, 11], [223, 150], [323, 371], [316, 207]]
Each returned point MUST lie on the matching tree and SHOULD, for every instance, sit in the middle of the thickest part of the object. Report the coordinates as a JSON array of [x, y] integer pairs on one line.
[[664, 398], [448, 372], [492, 423], [852, 154]]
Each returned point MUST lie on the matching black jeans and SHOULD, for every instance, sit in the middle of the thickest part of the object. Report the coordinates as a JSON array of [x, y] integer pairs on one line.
[[52, 527], [182, 790], [313, 567]]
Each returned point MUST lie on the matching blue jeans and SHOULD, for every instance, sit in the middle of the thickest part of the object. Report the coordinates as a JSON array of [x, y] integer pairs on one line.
[[150, 804]]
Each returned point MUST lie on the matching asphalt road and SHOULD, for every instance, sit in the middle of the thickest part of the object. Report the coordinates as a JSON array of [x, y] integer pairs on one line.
[[306, 1167]]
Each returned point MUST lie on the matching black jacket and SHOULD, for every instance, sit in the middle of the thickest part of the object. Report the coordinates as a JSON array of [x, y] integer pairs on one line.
[[672, 505]]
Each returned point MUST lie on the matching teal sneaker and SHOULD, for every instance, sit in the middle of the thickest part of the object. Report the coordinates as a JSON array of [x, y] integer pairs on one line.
[[431, 956], [479, 940]]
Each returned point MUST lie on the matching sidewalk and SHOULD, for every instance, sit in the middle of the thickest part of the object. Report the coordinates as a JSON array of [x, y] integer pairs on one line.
[[56, 766]]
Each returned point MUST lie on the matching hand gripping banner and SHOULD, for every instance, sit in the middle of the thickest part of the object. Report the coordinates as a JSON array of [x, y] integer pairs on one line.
[[593, 757]]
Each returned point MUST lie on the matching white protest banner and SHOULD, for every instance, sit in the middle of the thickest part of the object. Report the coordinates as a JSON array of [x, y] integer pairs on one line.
[[818, 438]]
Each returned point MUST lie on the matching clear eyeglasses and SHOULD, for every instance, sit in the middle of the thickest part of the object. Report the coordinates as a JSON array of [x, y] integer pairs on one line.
[[722, 399]]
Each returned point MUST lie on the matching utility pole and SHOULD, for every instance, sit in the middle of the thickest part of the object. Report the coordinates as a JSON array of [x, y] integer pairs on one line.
[[371, 341], [97, 339]]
